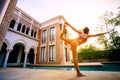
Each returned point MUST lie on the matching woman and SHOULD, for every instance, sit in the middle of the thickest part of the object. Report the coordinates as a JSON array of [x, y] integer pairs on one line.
[[83, 36]]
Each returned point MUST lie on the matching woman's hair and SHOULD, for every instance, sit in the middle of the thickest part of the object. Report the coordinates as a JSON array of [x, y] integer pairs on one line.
[[86, 30]]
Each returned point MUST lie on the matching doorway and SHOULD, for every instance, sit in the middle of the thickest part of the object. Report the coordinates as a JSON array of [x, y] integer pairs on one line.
[[17, 54], [3, 52]]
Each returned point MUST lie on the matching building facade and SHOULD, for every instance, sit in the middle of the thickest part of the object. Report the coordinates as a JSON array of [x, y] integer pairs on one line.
[[52, 48], [6, 11], [28, 41], [21, 39]]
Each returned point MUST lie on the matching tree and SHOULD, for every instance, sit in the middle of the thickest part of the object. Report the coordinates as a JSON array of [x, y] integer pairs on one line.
[[110, 20], [116, 20], [113, 41], [104, 41]]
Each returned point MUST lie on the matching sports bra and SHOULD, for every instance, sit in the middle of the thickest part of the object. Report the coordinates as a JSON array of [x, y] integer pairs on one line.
[[83, 35], [82, 38]]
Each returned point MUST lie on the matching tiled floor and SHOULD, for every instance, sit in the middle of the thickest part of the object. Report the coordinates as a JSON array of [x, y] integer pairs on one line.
[[37, 74]]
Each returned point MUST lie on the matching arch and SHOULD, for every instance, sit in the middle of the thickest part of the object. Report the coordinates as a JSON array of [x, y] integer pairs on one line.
[[19, 26], [17, 54], [31, 56], [27, 30], [8, 43], [20, 41], [32, 31], [12, 23], [23, 28], [33, 47], [3, 52]]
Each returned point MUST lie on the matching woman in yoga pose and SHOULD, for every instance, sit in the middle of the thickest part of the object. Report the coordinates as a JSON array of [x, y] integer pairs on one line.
[[74, 43]]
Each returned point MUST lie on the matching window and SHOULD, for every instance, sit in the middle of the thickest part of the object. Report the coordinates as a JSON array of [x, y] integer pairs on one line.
[[52, 53], [52, 33], [43, 36], [23, 28], [35, 34], [66, 54], [12, 24], [42, 56], [27, 31], [19, 27], [32, 32]]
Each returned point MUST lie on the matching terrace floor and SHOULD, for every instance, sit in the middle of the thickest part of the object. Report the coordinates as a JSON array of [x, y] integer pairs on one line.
[[38, 74]]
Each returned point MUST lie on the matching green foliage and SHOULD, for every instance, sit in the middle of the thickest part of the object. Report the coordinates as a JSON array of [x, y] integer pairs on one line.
[[113, 42], [91, 52], [115, 20], [103, 40], [114, 55]]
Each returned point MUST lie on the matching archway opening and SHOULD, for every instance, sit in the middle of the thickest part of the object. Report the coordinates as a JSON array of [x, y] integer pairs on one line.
[[31, 56], [17, 54], [3, 52]]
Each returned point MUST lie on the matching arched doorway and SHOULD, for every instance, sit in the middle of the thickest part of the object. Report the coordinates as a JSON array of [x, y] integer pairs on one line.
[[17, 54], [31, 56], [3, 52]]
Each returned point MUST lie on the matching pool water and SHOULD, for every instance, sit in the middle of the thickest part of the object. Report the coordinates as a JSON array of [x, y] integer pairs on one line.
[[105, 67], [111, 67]]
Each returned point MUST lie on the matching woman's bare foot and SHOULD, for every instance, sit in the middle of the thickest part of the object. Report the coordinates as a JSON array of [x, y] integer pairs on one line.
[[80, 75]]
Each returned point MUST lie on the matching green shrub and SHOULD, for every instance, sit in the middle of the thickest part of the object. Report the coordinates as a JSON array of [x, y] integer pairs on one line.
[[93, 54]]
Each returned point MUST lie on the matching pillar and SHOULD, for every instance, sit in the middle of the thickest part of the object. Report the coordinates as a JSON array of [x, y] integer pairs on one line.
[[6, 58], [16, 25], [3, 7], [25, 59], [29, 31], [35, 59]]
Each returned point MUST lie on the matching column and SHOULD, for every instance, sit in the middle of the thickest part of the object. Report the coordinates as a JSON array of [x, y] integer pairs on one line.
[[35, 59], [30, 27], [6, 58], [17, 22], [37, 30], [25, 60], [29, 31], [16, 25], [3, 7]]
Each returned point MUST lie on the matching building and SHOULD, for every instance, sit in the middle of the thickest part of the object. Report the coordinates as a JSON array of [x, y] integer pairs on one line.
[[52, 49], [6, 11], [28, 41]]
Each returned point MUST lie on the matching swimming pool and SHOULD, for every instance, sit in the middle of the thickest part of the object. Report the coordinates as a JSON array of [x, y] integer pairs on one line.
[[105, 67]]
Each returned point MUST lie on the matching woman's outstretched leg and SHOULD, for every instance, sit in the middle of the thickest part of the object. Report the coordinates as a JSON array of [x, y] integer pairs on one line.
[[63, 38], [61, 35]]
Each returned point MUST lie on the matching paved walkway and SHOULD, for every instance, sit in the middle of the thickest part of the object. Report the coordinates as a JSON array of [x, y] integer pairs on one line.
[[37, 74]]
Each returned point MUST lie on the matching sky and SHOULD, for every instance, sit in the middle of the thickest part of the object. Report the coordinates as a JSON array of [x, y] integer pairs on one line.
[[79, 13]]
